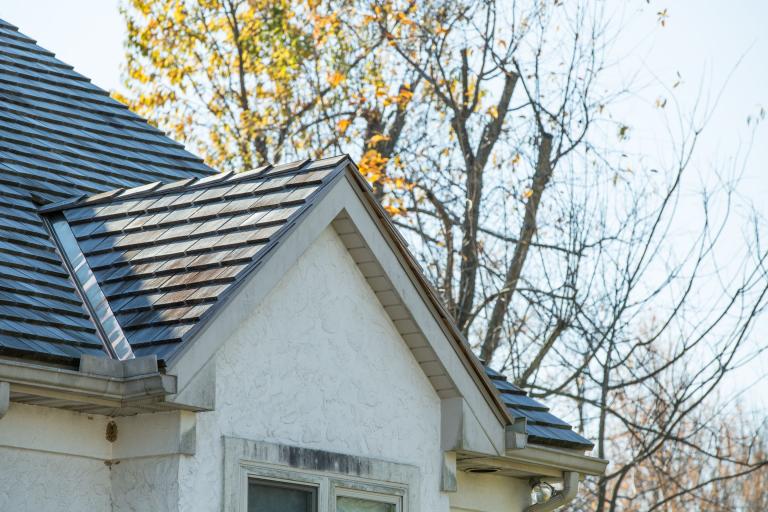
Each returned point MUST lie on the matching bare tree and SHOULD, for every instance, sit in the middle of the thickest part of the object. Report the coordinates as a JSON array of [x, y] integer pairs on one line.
[[487, 131]]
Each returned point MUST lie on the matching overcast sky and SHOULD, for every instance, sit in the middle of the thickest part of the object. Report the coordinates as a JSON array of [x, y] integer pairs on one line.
[[702, 41]]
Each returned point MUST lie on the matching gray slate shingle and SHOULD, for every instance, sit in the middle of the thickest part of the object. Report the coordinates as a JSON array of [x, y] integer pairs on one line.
[[60, 136], [542, 426], [164, 256]]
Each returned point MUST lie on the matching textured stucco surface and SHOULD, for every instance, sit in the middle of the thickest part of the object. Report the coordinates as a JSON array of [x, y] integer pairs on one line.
[[32, 481], [319, 364], [52, 460], [144, 484]]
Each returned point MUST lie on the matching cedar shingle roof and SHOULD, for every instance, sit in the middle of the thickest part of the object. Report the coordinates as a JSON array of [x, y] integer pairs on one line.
[[162, 236]]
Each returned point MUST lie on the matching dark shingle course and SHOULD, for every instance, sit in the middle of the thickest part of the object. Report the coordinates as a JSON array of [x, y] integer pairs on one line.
[[165, 255], [61, 137], [542, 426]]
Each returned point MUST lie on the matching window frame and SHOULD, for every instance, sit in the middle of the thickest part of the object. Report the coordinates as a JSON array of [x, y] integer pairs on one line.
[[393, 498], [285, 484], [331, 474]]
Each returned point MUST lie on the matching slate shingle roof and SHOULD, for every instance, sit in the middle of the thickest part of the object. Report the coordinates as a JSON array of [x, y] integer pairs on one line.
[[60, 136], [164, 255], [164, 237], [542, 426]]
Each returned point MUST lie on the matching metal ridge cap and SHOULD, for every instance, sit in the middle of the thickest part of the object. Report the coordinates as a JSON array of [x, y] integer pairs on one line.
[[95, 302]]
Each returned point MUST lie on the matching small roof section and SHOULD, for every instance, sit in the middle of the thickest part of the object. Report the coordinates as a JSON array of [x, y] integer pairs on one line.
[[165, 255], [541, 426]]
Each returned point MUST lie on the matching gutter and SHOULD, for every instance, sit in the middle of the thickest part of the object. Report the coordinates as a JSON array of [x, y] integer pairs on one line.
[[561, 498], [101, 386], [558, 460]]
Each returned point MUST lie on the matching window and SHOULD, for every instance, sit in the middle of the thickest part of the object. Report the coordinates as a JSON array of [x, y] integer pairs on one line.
[[347, 501], [347, 504], [270, 496], [267, 477]]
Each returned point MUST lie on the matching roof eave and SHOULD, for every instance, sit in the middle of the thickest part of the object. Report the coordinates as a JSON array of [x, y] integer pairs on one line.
[[535, 461], [100, 386]]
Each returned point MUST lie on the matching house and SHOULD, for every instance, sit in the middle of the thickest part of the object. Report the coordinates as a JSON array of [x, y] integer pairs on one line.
[[177, 339]]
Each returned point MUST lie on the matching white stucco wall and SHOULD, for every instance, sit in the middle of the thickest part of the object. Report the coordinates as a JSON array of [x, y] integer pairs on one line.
[[34, 478], [319, 365], [33, 481], [144, 484]]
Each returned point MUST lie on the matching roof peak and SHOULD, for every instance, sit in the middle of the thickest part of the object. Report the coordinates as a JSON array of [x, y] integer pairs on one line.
[[190, 184]]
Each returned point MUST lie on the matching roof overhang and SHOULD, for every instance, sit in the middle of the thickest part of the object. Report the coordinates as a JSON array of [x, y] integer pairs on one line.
[[100, 386], [533, 461]]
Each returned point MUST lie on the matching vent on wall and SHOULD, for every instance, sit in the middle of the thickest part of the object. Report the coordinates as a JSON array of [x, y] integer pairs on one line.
[[482, 470]]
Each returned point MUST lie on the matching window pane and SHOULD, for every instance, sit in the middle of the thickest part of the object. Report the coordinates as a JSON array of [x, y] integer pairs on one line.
[[347, 504], [269, 497]]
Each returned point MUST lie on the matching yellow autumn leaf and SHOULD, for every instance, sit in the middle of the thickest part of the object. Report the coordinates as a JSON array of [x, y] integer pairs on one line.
[[335, 78], [404, 19], [342, 125], [391, 209], [377, 138], [493, 112], [516, 159], [404, 96], [528, 193]]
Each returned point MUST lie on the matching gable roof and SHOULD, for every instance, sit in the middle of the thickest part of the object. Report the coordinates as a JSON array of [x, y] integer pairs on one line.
[[165, 255], [60, 136], [116, 241]]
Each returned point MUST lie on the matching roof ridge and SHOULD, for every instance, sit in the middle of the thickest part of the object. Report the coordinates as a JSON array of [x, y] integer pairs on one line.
[[158, 188]]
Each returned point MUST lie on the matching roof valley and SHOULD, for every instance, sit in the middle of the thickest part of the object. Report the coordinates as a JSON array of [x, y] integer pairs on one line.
[[110, 332]]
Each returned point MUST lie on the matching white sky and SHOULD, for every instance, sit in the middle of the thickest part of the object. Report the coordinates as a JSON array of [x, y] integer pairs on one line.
[[703, 41]]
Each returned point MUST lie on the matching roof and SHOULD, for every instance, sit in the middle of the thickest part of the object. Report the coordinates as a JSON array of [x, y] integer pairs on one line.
[[164, 255], [541, 426], [115, 241], [61, 136]]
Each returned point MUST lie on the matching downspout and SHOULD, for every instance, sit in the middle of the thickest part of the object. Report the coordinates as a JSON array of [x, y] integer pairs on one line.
[[562, 498]]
